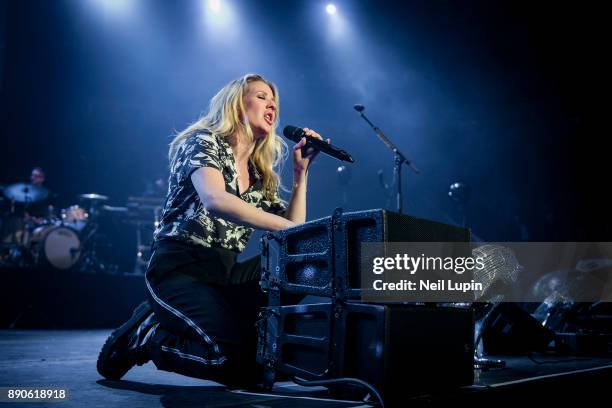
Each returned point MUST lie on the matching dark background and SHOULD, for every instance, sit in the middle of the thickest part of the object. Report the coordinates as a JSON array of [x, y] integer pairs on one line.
[[505, 96]]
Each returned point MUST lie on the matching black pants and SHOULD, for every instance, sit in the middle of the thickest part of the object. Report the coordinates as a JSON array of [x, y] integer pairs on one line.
[[206, 304]]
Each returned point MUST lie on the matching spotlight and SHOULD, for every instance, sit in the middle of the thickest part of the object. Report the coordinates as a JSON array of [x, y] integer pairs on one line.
[[331, 9], [114, 6], [214, 5]]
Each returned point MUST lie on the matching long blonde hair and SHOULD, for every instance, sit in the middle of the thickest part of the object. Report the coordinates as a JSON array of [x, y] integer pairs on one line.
[[226, 116]]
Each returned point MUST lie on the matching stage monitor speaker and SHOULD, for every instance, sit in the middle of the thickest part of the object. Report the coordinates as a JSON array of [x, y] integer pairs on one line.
[[323, 257], [400, 349]]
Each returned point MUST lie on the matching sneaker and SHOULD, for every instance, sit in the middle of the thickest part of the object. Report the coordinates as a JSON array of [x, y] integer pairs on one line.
[[120, 351]]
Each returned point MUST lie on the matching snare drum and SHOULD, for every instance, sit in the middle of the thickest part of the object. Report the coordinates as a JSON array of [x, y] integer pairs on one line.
[[58, 246]]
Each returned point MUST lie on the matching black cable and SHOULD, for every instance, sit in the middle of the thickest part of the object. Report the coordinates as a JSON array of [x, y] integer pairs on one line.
[[342, 380]]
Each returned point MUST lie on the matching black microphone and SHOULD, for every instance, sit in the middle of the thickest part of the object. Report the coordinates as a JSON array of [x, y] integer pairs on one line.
[[296, 134]]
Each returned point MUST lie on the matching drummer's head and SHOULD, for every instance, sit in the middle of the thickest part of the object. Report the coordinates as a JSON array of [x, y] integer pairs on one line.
[[38, 176]]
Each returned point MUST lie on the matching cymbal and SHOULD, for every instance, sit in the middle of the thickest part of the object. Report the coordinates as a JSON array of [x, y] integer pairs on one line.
[[93, 197], [115, 209], [26, 193]]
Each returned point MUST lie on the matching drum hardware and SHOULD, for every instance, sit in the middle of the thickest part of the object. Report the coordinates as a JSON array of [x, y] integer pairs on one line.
[[16, 234], [147, 201], [143, 244], [91, 262], [75, 239], [140, 212], [57, 246], [93, 197], [74, 217], [64, 243], [25, 193], [61, 244], [143, 252], [92, 202], [16, 228], [85, 220], [144, 214], [114, 210]]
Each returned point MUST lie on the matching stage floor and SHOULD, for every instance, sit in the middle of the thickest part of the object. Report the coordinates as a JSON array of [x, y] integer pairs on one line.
[[67, 358]]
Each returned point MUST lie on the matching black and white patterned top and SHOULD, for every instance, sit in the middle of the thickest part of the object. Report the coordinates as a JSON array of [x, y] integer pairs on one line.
[[184, 217]]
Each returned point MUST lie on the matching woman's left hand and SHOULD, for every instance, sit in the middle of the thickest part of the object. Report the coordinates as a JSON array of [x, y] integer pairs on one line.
[[302, 158]]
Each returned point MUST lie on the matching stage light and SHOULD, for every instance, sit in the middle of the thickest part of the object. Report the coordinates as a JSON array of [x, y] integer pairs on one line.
[[113, 6], [220, 21], [214, 5], [331, 9]]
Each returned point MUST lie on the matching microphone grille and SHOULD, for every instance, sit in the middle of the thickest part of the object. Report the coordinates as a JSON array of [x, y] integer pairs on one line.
[[292, 132]]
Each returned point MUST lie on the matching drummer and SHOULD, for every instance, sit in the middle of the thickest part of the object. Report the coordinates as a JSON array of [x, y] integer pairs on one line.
[[39, 211], [31, 205], [37, 177]]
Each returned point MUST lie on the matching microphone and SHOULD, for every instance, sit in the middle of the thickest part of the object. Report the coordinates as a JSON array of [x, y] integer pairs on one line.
[[359, 108], [296, 134]]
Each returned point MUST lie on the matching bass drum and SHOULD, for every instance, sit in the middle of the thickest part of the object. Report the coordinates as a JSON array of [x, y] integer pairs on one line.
[[57, 246]]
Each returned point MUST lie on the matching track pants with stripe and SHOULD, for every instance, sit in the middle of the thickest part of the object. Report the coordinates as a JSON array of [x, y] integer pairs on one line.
[[206, 304]]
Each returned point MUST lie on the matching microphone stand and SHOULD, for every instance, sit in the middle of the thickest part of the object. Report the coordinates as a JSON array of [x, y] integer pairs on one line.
[[399, 160]]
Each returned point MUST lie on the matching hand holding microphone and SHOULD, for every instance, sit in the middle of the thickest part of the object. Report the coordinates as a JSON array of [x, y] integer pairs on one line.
[[314, 141], [303, 152]]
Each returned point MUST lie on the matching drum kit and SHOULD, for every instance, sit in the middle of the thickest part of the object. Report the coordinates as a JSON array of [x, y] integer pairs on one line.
[[57, 242]]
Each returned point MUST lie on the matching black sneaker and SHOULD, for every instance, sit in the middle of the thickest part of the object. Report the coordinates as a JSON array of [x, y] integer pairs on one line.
[[118, 354]]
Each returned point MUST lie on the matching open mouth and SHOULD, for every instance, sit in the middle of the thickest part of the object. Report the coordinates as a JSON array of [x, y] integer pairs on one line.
[[269, 118]]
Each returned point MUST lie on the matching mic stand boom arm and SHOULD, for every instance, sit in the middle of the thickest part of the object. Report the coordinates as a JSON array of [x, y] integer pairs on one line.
[[400, 159]]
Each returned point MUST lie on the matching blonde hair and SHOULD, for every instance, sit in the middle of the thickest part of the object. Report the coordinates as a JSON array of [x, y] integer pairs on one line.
[[226, 117]]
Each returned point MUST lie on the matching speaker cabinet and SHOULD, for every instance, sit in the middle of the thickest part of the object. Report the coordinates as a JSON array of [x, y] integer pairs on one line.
[[400, 349], [323, 257]]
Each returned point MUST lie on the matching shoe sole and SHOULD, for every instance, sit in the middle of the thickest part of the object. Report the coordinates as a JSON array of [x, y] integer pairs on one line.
[[115, 337]]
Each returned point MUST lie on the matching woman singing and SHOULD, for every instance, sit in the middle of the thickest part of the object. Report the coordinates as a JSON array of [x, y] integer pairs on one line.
[[200, 316]]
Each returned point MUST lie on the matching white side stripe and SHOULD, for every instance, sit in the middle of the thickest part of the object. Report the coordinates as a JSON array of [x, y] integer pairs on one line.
[[186, 319], [194, 358], [149, 334]]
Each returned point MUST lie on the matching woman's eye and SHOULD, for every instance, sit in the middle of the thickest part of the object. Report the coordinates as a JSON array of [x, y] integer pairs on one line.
[[261, 97]]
